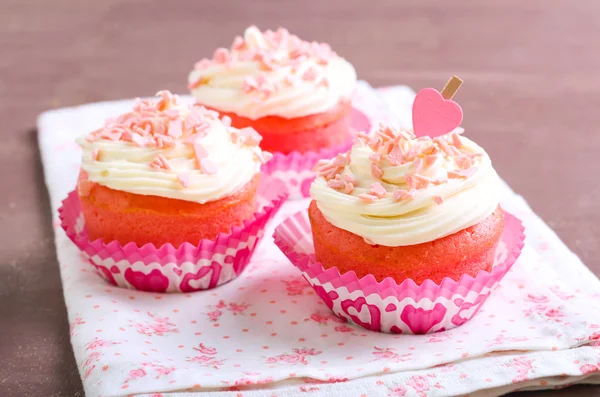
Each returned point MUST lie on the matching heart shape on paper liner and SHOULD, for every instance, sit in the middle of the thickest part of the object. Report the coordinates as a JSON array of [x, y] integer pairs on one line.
[[433, 115]]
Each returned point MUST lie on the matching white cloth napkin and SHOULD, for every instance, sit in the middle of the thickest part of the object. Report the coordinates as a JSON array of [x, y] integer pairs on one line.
[[267, 333]]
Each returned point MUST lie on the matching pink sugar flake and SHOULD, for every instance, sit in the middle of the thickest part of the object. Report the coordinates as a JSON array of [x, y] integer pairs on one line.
[[184, 179], [456, 140], [95, 154], [175, 128], [341, 159], [375, 158], [235, 136], [208, 167], [376, 171], [439, 181], [418, 164], [290, 80], [238, 43], [199, 152], [250, 137], [172, 113], [348, 187], [203, 64], [320, 164], [309, 74], [194, 118], [444, 146], [430, 160], [378, 190], [160, 163], [421, 182], [226, 121], [335, 184], [139, 140], [221, 55], [400, 195], [91, 137], [350, 179], [396, 156], [455, 174], [439, 200], [368, 198], [324, 82]]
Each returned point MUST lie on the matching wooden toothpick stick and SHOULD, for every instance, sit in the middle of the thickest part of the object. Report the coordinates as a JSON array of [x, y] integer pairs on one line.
[[451, 87]]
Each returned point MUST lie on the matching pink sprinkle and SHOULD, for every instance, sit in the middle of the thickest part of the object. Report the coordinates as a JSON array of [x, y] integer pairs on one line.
[[399, 195], [289, 80], [418, 164], [456, 140], [348, 188], [377, 190], [221, 55], [95, 154], [335, 184], [324, 82], [235, 136], [438, 200], [431, 159], [368, 198], [455, 174], [184, 179], [376, 171], [175, 129], [90, 137], [238, 43], [207, 166], [250, 84], [320, 164], [396, 156], [160, 162], [226, 120], [310, 74], [202, 64], [444, 146], [250, 136], [172, 113], [341, 159], [200, 153], [350, 179], [375, 158]]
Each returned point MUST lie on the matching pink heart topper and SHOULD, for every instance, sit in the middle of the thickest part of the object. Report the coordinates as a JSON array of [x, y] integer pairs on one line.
[[433, 115]]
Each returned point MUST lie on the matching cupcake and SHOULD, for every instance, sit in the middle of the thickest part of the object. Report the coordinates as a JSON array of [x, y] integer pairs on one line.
[[169, 186], [407, 208], [296, 94], [405, 233]]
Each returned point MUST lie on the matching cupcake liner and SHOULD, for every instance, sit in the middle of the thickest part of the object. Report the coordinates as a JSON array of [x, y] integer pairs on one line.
[[295, 169], [387, 306], [188, 268]]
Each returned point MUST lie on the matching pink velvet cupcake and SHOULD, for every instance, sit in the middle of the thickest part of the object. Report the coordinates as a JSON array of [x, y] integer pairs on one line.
[[165, 190]]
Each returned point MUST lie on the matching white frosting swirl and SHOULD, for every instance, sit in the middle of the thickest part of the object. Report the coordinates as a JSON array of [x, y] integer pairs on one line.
[[124, 165], [466, 201], [293, 96]]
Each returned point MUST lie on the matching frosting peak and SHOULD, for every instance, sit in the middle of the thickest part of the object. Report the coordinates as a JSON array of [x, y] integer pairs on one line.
[[272, 74], [395, 189], [163, 148]]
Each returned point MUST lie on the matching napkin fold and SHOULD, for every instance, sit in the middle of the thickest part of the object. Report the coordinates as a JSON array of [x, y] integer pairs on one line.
[[267, 334]]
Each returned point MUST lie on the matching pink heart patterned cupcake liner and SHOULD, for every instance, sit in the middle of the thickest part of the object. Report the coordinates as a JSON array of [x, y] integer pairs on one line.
[[296, 169], [387, 306], [188, 268]]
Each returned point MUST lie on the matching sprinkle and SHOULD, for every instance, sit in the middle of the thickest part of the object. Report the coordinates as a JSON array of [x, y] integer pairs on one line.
[[320, 164], [238, 43], [376, 171], [350, 179], [95, 154], [418, 164], [400, 195], [226, 120], [335, 184], [175, 128], [456, 140], [160, 162], [250, 84], [341, 159], [348, 187], [235, 136], [310, 74], [377, 190], [90, 137], [250, 136], [421, 181], [184, 179], [438, 200], [200, 153], [194, 118], [430, 159], [221, 55], [444, 146], [289, 80], [207, 166], [202, 64], [368, 198], [396, 156], [375, 158]]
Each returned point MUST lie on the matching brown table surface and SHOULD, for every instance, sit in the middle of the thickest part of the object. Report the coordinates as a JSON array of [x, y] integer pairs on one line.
[[531, 71]]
